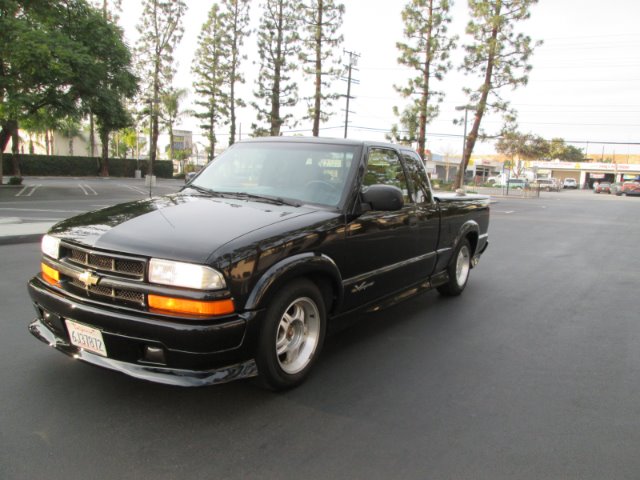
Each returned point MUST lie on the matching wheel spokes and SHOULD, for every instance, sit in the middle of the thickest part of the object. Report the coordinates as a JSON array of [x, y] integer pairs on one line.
[[297, 335]]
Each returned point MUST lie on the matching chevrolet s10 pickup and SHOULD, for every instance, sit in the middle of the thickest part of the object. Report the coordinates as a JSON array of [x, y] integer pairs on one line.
[[239, 273]]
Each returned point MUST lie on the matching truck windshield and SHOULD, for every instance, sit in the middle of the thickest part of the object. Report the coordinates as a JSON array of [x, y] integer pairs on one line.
[[299, 172]]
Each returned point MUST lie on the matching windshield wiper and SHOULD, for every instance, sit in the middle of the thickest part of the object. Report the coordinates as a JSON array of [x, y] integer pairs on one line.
[[204, 190], [263, 198]]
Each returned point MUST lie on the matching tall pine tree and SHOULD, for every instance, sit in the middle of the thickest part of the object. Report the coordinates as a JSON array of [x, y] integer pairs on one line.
[[160, 30], [211, 68], [235, 20], [322, 21], [426, 51], [278, 48], [497, 55]]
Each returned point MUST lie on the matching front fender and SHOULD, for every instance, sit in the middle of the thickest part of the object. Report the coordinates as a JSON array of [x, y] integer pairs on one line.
[[303, 264]]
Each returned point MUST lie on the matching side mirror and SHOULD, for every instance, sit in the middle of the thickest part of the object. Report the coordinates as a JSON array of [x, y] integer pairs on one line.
[[383, 197]]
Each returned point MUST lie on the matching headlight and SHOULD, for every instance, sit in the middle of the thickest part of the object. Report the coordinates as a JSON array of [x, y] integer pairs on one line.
[[51, 246], [185, 275]]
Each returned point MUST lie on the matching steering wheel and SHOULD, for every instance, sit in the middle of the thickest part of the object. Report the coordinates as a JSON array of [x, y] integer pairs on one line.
[[321, 191], [320, 185]]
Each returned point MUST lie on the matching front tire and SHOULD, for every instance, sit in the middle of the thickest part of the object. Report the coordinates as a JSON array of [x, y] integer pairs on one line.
[[292, 335], [458, 270]]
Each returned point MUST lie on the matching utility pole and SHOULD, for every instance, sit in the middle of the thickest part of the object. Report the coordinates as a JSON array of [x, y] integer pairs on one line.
[[353, 61]]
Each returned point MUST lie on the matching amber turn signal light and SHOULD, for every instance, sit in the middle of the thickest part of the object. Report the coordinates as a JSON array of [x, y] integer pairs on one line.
[[190, 307], [49, 274]]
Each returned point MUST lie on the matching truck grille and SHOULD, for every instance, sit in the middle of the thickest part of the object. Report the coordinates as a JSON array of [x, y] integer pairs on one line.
[[126, 296], [128, 267], [105, 265]]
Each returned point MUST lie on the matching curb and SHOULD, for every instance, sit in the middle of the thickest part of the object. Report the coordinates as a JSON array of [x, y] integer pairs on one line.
[[14, 231], [16, 239]]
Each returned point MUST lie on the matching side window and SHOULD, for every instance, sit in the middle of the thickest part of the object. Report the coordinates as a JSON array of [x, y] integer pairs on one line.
[[418, 180], [384, 168]]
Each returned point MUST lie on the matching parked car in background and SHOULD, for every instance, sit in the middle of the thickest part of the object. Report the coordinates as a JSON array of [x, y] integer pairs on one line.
[[603, 187], [547, 184], [191, 175], [569, 183], [517, 183], [629, 188], [615, 187]]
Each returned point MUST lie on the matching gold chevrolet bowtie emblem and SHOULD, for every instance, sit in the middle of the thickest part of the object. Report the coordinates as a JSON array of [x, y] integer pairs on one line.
[[88, 278]]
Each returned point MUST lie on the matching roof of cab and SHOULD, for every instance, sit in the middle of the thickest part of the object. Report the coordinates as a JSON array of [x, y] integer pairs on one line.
[[326, 141]]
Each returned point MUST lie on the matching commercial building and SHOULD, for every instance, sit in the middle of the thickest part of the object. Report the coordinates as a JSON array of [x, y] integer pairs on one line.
[[586, 173]]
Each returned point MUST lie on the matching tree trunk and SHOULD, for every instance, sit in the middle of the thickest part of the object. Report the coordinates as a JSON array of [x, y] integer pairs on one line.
[[212, 136], [104, 158], [276, 121], [318, 93], [232, 92], [92, 136], [5, 135], [479, 112], [171, 152], [153, 146], [424, 101], [15, 149]]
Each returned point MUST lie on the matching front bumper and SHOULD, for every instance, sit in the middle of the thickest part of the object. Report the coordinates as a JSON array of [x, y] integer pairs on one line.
[[193, 353], [158, 374]]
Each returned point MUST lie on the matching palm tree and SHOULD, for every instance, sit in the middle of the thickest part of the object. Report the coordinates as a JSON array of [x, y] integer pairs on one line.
[[70, 128], [171, 112]]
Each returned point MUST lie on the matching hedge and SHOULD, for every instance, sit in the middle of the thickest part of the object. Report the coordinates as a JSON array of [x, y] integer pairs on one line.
[[58, 165]]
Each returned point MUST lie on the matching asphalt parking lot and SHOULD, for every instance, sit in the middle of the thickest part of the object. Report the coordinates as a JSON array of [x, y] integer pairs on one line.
[[533, 373], [51, 199]]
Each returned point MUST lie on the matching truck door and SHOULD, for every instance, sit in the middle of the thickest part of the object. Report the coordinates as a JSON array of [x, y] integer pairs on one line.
[[382, 247], [426, 212]]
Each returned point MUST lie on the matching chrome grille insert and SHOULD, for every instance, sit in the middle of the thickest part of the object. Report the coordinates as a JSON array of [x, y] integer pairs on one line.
[[104, 265], [113, 293], [101, 263]]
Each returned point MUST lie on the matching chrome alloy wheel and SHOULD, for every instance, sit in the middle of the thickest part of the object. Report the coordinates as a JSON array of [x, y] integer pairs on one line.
[[297, 335], [463, 265]]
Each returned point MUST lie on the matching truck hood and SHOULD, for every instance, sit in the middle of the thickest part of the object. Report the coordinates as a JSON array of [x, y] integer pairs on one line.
[[176, 227]]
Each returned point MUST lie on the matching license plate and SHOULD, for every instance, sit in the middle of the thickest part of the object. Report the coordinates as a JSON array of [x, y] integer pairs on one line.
[[85, 337]]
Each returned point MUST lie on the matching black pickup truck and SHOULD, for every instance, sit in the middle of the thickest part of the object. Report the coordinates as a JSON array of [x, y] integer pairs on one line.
[[238, 274]]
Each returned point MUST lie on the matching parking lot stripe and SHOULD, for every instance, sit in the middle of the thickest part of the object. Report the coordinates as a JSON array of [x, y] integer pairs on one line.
[[33, 189], [87, 189], [135, 189]]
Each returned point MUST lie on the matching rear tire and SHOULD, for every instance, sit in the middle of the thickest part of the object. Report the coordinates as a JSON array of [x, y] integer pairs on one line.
[[292, 335], [458, 270]]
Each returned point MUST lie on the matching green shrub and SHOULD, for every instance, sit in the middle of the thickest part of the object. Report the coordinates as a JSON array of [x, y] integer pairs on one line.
[[15, 181], [66, 166]]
